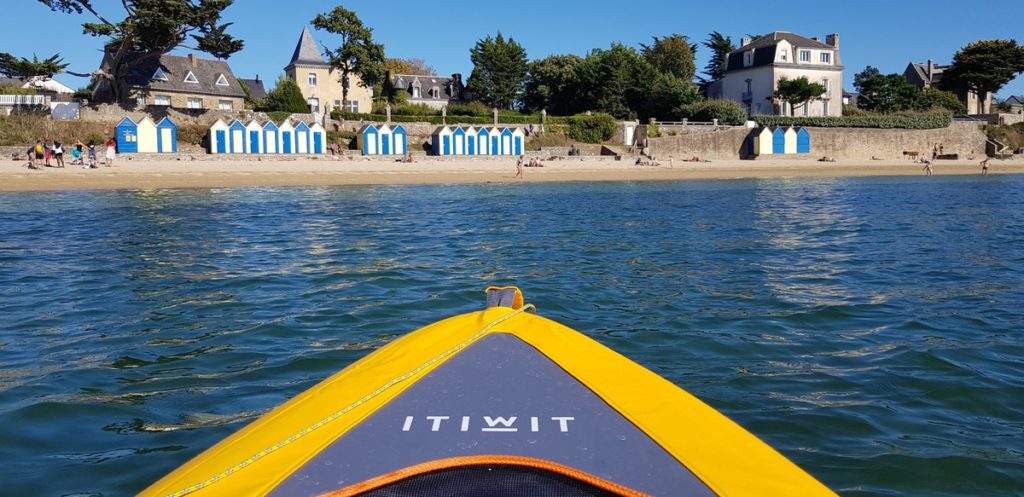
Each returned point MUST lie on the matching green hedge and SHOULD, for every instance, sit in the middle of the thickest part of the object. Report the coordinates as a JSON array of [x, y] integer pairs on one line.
[[892, 121], [595, 128], [452, 119]]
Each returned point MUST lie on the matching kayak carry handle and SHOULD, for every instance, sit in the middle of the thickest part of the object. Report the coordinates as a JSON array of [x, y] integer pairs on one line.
[[504, 296]]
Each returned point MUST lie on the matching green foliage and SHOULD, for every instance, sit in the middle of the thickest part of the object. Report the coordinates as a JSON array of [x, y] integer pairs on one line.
[[884, 93], [1011, 136], [417, 67], [82, 93], [726, 111], [286, 97], [984, 66], [798, 92], [653, 130], [22, 68], [920, 120], [278, 116], [595, 128], [469, 109], [665, 95], [358, 53], [499, 71], [1004, 106], [191, 134], [479, 120], [16, 90], [95, 138], [250, 103], [406, 109], [936, 99], [552, 85], [672, 55], [615, 81], [720, 47]]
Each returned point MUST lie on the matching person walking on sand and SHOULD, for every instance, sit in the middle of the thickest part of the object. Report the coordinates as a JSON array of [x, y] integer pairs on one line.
[[519, 167], [927, 167], [58, 153], [39, 152], [984, 167], [111, 152], [92, 156]]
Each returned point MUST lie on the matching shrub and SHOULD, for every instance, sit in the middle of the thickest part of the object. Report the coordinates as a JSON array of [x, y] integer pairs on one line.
[[935, 99], [726, 111], [653, 130], [278, 116], [916, 120], [192, 134], [15, 90], [595, 128], [469, 109]]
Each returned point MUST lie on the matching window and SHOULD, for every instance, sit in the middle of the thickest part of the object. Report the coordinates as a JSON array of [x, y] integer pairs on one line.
[[194, 102], [224, 105], [222, 81], [162, 100], [828, 91], [826, 57], [805, 56], [748, 58], [337, 104], [159, 75], [191, 78], [415, 92], [352, 106], [140, 100], [435, 92], [312, 79], [784, 55], [314, 105]]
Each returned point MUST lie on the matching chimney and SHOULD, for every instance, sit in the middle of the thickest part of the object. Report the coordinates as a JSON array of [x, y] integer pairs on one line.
[[192, 59], [832, 40], [745, 41], [817, 39], [931, 71]]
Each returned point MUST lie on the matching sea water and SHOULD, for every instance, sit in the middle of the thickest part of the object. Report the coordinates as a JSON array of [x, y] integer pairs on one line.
[[868, 328]]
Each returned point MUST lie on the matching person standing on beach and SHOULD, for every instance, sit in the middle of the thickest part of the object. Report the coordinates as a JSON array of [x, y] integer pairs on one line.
[[927, 167], [39, 152], [111, 152], [519, 167], [58, 153], [984, 167], [92, 156]]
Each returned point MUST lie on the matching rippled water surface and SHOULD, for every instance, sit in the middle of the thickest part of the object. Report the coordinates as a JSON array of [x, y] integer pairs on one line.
[[870, 329]]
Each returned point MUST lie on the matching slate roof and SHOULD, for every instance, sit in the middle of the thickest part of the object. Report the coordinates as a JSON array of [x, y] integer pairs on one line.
[[764, 49], [306, 52], [5, 82], [256, 88], [1015, 100], [177, 67], [444, 84]]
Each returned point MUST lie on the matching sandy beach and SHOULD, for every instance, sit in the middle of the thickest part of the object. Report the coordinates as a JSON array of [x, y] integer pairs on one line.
[[200, 173]]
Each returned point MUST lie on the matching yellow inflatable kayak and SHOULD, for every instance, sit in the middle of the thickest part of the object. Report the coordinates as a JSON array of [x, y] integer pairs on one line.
[[497, 403]]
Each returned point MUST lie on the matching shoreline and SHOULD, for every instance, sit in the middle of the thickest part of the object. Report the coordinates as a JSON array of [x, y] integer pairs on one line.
[[170, 174]]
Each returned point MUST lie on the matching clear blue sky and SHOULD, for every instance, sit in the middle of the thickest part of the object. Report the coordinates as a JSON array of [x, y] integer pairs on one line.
[[886, 34]]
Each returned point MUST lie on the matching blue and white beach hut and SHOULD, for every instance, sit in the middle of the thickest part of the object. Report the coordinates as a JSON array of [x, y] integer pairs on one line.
[[236, 137], [400, 139], [518, 139], [483, 141], [302, 138], [253, 138], [471, 144], [441, 141], [369, 139], [166, 136], [506, 141], [459, 141], [790, 145], [803, 141], [218, 137], [127, 133], [763, 142], [495, 140], [147, 136], [271, 138], [287, 134], [387, 136], [318, 140], [778, 140]]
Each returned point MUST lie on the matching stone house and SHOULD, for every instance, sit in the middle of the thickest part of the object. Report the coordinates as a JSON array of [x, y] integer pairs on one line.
[[1016, 103], [753, 72], [929, 75], [179, 82], [321, 84], [434, 91]]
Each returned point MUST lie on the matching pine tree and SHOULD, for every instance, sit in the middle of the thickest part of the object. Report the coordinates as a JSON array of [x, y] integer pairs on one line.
[[499, 71]]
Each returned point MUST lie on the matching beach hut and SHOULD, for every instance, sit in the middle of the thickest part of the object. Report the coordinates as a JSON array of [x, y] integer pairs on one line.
[[166, 136], [369, 139], [495, 140], [386, 137], [401, 140], [127, 133], [271, 138], [518, 139], [483, 140], [253, 138], [803, 141], [218, 137], [147, 136], [236, 137], [471, 141], [441, 141], [778, 141], [287, 137], [790, 144], [459, 141], [506, 141], [763, 142], [319, 138], [302, 138]]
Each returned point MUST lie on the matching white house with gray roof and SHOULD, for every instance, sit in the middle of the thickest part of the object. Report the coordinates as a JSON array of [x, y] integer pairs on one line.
[[181, 82], [754, 70], [434, 91]]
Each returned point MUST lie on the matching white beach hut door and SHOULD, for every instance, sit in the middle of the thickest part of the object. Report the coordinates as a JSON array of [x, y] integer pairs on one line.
[[399, 144], [237, 141], [371, 144], [302, 142]]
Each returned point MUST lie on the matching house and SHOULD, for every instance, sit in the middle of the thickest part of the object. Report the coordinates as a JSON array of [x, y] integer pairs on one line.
[[176, 81], [753, 72], [929, 75], [1016, 103], [321, 84], [433, 91], [255, 86], [41, 84]]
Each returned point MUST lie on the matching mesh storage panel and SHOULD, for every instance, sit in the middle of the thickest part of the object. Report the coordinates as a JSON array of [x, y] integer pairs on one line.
[[489, 481]]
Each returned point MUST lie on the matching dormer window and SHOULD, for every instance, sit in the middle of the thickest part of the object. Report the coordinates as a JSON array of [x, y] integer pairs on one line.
[[222, 81], [748, 58], [191, 78], [159, 75], [784, 55], [415, 91], [826, 57], [435, 92]]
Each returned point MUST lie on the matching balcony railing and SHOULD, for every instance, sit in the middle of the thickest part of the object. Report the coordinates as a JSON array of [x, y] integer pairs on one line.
[[25, 100]]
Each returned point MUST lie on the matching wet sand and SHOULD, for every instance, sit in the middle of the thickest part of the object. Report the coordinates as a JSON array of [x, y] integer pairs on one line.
[[200, 173]]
